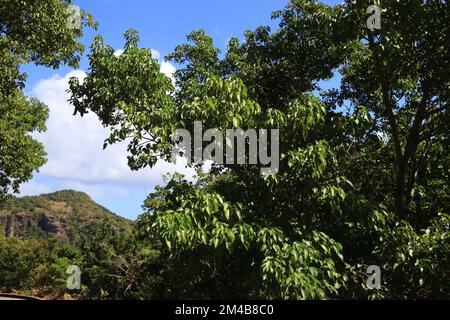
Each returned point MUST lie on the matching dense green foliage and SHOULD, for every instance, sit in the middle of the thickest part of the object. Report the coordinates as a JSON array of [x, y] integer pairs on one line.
[[113, 266], [364, 169], [35, 266], [35, 259]]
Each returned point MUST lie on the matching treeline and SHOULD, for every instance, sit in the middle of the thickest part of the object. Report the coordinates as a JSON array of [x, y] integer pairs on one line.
[[113, 266], [129, 266], [363, 176]]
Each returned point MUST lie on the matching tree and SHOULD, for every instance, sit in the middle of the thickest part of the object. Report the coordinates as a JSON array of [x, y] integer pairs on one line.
[[401, 72], [38, 32], [118, 266], [347, 178], [35, 266]]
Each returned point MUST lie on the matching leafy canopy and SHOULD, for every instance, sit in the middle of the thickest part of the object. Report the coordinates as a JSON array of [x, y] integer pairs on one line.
[[37, 32], [363, 173]]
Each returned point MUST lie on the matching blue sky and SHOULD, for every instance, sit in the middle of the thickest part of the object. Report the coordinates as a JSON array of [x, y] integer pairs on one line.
[[74, 145]]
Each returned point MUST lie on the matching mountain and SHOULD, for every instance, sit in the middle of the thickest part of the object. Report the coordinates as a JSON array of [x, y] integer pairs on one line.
[[65, 215]]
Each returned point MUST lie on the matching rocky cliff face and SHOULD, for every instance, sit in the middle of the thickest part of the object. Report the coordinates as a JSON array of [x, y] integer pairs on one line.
[[18, 225], [64, 215], [14, 224]]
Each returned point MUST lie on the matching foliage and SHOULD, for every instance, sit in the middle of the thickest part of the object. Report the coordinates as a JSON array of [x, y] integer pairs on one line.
[[113, 265], [358, 179], [418, 261], [117, 266], [363, 176], [37, 32], [34, 266]]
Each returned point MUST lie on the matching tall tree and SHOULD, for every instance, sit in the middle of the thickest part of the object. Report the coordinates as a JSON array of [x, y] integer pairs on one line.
[[45, 33], [343, 197]]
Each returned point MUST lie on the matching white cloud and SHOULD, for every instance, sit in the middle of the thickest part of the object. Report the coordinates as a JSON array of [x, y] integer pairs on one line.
[[168, 69], [155, 54], [33, 188], [75, 154], [118, 52], [96, 191]]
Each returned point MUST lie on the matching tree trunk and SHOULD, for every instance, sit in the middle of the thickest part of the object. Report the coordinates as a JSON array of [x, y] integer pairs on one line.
[[400, 190]]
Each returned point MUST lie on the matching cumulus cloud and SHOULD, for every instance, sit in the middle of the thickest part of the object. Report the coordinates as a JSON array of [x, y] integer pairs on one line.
[[75, 149], [34, 188], [96, 191], [155, 54], [168, 69], [118, 52]]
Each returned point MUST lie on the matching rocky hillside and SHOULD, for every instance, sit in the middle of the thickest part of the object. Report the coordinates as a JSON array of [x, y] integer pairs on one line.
[[65, 215]]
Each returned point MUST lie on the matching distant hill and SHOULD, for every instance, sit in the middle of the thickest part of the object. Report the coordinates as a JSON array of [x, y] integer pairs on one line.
[[64, 215]]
